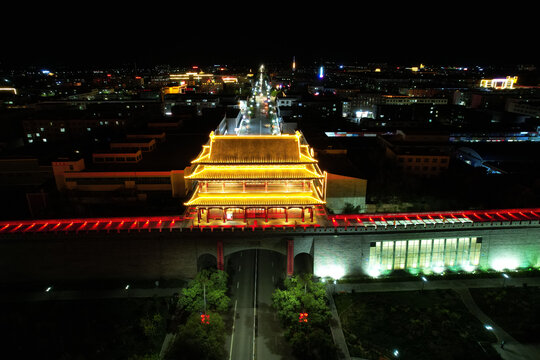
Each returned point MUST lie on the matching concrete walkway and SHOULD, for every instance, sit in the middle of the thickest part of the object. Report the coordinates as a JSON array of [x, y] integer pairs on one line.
[[336, 329], [435, 284], [513, 349], [52, 294]]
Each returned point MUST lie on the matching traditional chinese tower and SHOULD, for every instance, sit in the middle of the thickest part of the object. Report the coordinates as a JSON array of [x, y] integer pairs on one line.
[[236, 178]]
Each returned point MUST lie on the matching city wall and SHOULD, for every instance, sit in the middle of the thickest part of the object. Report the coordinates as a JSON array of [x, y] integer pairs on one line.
[[175, 254], [503, 247]]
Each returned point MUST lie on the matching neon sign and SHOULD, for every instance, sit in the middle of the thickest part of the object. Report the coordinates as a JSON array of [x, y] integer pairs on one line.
[[499, 84]]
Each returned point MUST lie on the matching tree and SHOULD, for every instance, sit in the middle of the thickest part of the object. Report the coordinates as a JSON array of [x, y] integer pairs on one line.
[[313, 343], [198, 339], [301, 294], [309, 339], [351, 209], [209, 284], [195, 340]]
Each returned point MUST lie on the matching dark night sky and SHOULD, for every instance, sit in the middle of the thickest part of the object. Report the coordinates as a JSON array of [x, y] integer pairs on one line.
[[144, 35]]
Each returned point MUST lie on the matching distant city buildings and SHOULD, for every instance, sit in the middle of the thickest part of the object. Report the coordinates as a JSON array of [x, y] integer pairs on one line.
[[85, 133]]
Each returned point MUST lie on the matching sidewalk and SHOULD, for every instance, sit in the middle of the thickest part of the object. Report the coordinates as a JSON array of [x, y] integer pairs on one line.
[[335, 328], [435, 284], [85, 294], [513, 350]]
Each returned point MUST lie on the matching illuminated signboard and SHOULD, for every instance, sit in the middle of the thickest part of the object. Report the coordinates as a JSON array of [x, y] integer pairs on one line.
[[499, 84]]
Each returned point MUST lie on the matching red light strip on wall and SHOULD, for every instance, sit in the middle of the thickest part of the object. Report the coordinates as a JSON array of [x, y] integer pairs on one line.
[[90, 224], [445, 216], [339, 220]]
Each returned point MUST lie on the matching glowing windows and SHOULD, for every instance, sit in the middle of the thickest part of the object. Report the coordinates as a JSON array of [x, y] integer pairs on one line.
[[476, 244], [387, 260], [463, 251], [412, 254], [438, 252], [400, 254], [450, 252], [425, 253], [432, 254]]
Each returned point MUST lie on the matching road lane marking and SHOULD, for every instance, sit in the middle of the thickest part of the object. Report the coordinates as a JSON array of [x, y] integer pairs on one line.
[[237, 284], [233, 323], [255, 305]]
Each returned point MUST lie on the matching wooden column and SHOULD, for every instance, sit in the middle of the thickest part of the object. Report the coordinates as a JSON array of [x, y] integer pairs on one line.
[[290, 257], [219, 255], [303, 211], [286, 214], [311, 213]]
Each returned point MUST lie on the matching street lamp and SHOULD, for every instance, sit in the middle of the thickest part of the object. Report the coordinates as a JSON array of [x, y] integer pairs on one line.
[[505, 276], [424, 281]]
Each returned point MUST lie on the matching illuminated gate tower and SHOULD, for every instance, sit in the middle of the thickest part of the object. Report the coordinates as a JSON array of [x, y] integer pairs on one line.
[[259, 176]]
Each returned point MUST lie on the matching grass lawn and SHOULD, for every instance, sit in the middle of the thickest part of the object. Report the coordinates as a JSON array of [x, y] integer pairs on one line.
[[420, 325], [83, 329], [515, 309]]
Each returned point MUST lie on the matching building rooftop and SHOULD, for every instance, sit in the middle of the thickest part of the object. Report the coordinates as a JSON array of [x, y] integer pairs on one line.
[[255, 199], [260, 149], [247, 172]]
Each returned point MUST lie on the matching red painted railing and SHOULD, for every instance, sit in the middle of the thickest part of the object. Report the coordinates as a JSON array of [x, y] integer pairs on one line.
[[441, 217], [92, 224], [341, 220]]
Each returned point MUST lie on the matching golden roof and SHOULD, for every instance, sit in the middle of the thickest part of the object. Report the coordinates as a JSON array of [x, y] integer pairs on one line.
[[256, 149], [256, 172], [254, 199]]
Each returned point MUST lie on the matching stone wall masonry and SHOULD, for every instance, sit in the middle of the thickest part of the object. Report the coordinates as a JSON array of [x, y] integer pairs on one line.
[[502, 247], [336, 252], [97, 256]]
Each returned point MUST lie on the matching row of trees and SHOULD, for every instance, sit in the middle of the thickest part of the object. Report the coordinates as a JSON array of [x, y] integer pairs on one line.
[[303, 310], [198, 336]]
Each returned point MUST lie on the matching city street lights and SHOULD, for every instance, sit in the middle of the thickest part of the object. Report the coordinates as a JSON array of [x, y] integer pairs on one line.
[[505, 276], [424, 281]]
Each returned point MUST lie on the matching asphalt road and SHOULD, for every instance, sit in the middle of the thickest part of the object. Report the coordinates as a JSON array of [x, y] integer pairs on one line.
[[260, 122], [242, 271], [254, 275]]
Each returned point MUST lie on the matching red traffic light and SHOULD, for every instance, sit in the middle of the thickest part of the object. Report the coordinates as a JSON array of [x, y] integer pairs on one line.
[[205, 319], [303, 317]]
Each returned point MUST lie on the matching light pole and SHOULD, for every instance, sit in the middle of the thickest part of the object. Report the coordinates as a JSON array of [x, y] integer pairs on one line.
[[505, 276], [424, 281], [204, 296]]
